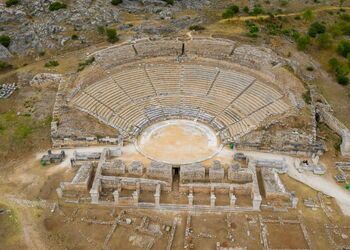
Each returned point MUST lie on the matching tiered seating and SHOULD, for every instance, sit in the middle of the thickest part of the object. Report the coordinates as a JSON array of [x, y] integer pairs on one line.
[[233, 103], [197, 79], [165, 78], [229, 116], [229, 85], [152, 108], [239, 128], [108, 92], [275, 108], [135, 83], [133, 114], [256, 97], [94, 107]]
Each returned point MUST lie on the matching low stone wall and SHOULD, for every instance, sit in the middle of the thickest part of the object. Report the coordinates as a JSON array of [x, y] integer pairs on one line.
[[339, 128]]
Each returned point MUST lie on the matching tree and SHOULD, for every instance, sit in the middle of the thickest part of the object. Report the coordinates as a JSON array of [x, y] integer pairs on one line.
[[230, 11], [5, 40], [324, 41], [112, 35], [316, 28], [303, 42], [343, 48]]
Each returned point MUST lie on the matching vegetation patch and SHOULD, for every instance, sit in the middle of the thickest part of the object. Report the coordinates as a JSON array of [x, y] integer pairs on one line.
[[5, 40], [57, 6], [87, 62], [230, 11], [5, 66], [112, 35], [10, 3], [196, 27], [116, 2], [51, 64]]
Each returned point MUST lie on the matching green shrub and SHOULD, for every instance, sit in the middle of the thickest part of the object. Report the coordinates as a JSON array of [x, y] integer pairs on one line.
[[230, 11], [87, 62], [324, 41], [308, 15], [5, 66], [307, 97], [112, 35], [196, 27], [5, 40], [171, 2], [116, 2], [57, 6], [316, 28], [75, 37], [343, 48], [345, 17], [10, 3], [51, 64], [246, 9], [303, 42], [101, 30], [257, 10], [340, 70], [310, 68], [252, 29], [343, 80]]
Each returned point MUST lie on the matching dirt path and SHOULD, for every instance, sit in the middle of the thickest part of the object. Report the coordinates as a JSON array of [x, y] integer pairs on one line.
[[247, 18], [31, 235]]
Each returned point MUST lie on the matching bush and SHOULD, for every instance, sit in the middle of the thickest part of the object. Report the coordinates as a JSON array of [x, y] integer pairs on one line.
[[345, 17], [196, 27], [5, 40], [112, 35], [310, 68], [308, 15], [307, 97], [316, 28], [51, 64], [101, 30], [57, 6], [303, 42], [343, 48], [257, 10], [5, 66], [341, 71], [246, 9], [252, 28], [171, 2], [324, 41], [87, 62], [75, 37], [116, 2], [10, 3], [343, 80], [230, 11]]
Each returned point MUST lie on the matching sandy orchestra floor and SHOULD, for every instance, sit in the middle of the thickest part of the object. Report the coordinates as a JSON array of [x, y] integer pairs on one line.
[[178, 142]]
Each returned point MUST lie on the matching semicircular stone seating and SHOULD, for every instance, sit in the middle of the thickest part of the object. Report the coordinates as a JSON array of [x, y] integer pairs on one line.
[[231, 102]]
